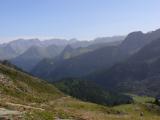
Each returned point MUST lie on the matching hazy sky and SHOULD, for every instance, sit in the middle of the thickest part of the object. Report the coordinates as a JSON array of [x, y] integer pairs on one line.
[[82, 19]]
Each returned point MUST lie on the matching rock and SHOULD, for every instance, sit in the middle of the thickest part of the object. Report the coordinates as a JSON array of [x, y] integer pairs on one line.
[[141, 114]]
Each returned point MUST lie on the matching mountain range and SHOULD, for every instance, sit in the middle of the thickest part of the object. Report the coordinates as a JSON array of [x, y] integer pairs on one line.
[[19, 51], [138, 74], [106, 78], [101, 58], [127, 65]]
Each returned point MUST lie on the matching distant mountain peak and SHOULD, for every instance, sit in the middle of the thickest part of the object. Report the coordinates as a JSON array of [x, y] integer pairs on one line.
[[68, 48], [136, 33], [20, 40], [108, 39], [73, 40]]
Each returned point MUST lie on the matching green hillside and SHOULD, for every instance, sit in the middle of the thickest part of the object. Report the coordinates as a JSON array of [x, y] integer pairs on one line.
[[89, 91], [23, 96]]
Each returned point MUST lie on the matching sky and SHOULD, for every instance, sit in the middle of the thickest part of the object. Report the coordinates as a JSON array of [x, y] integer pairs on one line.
[[81, 19]]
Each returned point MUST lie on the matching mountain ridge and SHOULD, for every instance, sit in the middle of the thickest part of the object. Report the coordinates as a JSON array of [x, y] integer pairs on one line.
[[136, 73], [102, 58]]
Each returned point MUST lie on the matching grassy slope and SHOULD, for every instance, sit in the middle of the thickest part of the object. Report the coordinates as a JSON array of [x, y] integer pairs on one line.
[[38, 100], [23, 86]]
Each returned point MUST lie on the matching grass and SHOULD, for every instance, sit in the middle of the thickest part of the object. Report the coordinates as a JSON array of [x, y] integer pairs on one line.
[[39, 115], [142, 104], [27, 88], [143, 99]]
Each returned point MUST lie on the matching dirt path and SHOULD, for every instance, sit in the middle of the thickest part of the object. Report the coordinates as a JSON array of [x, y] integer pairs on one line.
[[25, 107], [6, 114], [4, 111]]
